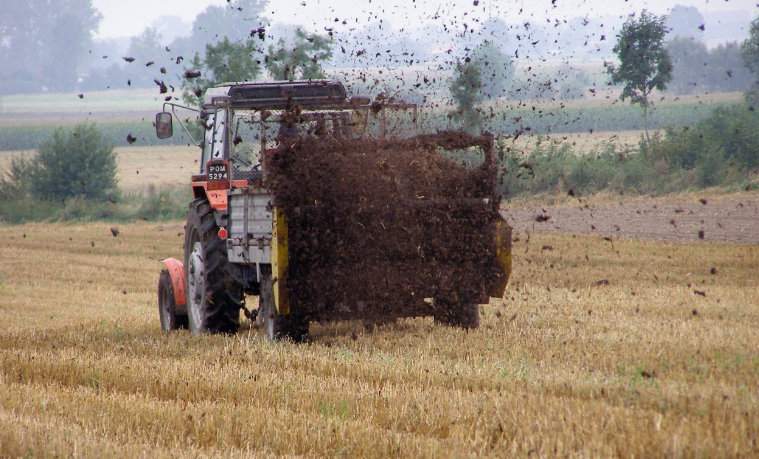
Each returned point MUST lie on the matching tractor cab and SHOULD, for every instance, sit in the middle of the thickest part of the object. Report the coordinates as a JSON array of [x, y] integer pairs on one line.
[[242, 121]]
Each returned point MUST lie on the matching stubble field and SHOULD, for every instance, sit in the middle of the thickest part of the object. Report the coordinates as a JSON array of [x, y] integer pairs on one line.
[[628, 349]]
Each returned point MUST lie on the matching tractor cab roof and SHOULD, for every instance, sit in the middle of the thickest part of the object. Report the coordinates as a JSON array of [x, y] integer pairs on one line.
[[281, 95]]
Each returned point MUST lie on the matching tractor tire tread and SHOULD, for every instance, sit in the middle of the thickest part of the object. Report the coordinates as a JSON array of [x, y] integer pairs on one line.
[[222, 314], [172, 320]]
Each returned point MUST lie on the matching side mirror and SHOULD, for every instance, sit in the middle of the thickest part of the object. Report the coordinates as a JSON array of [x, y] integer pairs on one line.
[[164, 127]]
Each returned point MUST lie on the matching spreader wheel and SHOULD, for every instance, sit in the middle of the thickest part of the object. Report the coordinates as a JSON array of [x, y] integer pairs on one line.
[[457, 314], [167, 308], [278, 327]]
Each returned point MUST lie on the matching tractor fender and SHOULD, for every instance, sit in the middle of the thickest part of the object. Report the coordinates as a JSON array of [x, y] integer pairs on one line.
[[176, 273]]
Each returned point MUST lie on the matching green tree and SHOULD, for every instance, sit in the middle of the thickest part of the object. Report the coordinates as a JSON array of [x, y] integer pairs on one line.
[[750, 52], [694, 67], [44, 44], [496, 68], [193, 89], [689, 70], [224, 62], [684, 22], [728, 71], [572, 82], [466, 90], [644, 64], [301, 61], [232, 61], [14, 184], [75, 163], [144, 48], [233, 21]]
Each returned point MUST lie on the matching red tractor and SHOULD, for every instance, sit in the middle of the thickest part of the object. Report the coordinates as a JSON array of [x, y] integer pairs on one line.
[[239, 236]]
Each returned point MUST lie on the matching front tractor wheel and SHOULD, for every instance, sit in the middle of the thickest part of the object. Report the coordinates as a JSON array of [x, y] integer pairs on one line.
[[214, 296], [277, 326], [167, 307]]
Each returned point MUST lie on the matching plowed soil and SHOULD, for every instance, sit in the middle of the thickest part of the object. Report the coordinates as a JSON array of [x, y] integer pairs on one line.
[[728, 218]]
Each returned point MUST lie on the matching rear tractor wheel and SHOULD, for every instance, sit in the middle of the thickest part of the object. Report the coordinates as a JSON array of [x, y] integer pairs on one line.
[[214, 296], [167, 307]]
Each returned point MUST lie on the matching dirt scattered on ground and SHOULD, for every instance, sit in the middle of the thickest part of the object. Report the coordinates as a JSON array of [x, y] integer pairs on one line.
[[733, 218]]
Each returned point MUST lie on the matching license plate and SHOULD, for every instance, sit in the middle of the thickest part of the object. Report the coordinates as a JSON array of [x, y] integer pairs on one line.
[[218, 174]]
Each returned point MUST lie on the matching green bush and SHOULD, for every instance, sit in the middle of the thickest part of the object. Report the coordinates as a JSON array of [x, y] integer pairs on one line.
[[638, 174], [79, 208], [15, 184], [559, 168], [73, 177], [162, 204], [710, 168], [734, 131], [76, 163], [154, 204], [723, 149], [24, 209], [591, 173]]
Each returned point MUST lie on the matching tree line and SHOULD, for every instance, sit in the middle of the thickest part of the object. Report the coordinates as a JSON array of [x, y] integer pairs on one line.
[[49, 46], [647, 62], [81, 164]]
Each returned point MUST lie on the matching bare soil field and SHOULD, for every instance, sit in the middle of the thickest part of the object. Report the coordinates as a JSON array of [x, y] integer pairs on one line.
[[730, 217], [640, 349]]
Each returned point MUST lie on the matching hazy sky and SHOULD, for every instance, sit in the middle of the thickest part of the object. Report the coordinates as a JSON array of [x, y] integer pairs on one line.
[[126, 18]]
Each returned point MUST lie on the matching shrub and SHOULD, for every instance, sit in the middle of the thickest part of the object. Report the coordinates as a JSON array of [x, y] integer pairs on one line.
[[15, 183], [720, 150], [466, 90], [76, 163], [162, 204], [639, 174], [736, 130], [592, 173], [24, 209], [710, 168]]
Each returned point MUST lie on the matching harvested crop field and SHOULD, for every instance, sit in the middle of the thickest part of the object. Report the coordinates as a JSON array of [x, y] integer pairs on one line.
[[640, 349]]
